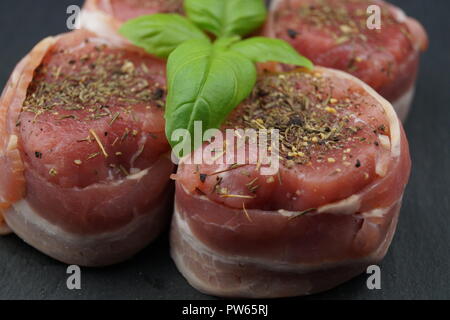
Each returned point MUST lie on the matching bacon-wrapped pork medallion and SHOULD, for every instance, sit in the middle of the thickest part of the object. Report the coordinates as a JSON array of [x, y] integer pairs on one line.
[[105, 17], [83, 156], [335, 34], [329, 212]]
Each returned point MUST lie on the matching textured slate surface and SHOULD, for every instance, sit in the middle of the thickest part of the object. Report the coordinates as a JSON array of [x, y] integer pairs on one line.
[[417, 265]]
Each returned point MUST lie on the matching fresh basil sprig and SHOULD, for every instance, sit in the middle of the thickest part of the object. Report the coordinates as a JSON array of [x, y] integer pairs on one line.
[[218, 81], [207, 79], [225, 18], [160, 34], [261, 49]]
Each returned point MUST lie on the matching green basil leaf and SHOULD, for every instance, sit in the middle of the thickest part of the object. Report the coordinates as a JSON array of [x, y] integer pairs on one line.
[[225, 18], [205, 82], [160, 34], [261, 49]]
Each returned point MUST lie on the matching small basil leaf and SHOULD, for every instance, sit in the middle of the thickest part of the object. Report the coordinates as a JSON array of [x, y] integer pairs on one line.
[[205, 82], [260, 49], [160, 34], [225, 18]]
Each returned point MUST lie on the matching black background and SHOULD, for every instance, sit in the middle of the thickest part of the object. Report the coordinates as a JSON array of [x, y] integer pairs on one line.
[[417, 265]]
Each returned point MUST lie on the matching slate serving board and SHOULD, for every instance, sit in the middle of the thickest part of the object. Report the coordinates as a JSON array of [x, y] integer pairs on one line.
[[417, 265]]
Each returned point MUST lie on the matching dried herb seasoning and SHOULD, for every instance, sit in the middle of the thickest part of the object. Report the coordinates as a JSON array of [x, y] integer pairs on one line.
[[88, 84], [312, 122]]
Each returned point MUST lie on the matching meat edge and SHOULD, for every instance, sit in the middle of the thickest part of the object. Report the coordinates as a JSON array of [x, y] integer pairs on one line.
[[91, 251], [21, 77], [281, 281], [403, 104], [4, 228], [94, 20]]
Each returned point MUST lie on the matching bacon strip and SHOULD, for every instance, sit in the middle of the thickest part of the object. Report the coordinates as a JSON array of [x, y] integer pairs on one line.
[[12, 184], [105, 17]]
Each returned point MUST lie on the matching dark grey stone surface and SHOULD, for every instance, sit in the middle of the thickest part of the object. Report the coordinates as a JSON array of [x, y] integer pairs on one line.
[[417, 265]]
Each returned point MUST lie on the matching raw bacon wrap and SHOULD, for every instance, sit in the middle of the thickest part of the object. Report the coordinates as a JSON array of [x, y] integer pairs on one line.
[[386, 59], [303, 231], [84, 213], [105, 17]]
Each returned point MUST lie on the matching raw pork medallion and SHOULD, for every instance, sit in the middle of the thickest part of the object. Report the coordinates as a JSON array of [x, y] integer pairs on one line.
[[83, 155], [329, 212], [334, 34]]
